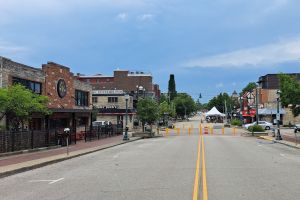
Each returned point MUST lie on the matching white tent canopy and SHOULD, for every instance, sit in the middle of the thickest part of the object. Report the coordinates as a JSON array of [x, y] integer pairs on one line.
[[214, 112]]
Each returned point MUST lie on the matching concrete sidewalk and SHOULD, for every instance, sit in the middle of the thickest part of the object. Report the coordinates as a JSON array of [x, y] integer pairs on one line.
[[284, 142], [19, 163]]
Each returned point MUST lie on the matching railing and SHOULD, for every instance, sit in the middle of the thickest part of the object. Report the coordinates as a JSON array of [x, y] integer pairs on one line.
[[21, 140], [98, 132]]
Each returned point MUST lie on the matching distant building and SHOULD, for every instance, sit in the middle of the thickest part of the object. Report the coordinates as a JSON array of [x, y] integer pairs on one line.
[[272, 82], [138, 84], [269, 84], [111, 106]]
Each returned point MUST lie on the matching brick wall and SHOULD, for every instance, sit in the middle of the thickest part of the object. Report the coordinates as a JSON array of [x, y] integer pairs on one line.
[[54, 72]]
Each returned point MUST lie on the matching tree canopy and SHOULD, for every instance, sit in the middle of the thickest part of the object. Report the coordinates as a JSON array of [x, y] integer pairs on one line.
[[18, 104], [184, 104], [290, 92], [219, 102], [251, 86], [172, 87], [147, 110], [166, 109]]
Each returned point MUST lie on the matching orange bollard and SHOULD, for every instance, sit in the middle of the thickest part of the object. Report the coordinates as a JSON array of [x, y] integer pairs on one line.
[[205, 130], [178, 131]]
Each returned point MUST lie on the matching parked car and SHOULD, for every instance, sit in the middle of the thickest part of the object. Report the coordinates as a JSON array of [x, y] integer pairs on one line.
[[264, 124], [297, 128], [171, 124], [101, 123]]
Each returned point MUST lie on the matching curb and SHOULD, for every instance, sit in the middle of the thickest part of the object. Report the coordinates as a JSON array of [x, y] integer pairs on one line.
[[24, 169], [279, 142]]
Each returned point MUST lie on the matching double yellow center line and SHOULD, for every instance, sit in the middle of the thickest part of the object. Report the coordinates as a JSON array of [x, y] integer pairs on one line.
[[196, 183]]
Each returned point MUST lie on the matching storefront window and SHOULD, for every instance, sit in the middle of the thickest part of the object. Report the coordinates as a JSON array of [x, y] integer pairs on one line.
[[95, 99], [31, 85], [112, 99], [81, 98]]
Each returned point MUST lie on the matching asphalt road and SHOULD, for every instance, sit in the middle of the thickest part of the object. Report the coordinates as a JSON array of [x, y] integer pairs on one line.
[[236, 167]]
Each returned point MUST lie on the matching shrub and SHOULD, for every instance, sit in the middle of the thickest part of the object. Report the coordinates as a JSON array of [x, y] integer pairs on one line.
[[256, 128], [236, 122]]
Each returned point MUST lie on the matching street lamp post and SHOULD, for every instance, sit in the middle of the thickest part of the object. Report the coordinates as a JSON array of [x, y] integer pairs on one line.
[[256, 105], [126, 118], [278, 136], [241, 107]]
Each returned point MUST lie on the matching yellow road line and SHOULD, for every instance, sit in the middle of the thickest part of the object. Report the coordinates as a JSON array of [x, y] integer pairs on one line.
[[196, 183], [204, 185]]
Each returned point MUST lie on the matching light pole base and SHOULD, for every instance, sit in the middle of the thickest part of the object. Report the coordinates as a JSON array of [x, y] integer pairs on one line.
[[278, 137], [125, 138]]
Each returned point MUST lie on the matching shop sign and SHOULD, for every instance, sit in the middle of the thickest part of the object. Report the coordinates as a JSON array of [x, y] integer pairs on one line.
[[108, 92]]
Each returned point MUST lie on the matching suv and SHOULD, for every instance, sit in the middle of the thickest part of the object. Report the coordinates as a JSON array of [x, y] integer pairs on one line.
[[297, 128]]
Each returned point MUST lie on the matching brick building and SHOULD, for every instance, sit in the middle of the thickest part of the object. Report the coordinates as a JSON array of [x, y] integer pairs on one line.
[[69, 99], [269, 84], [134, 83]]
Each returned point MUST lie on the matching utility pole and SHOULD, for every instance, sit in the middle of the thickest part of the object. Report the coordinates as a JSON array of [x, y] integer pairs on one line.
[[256, 105], [225, 111]]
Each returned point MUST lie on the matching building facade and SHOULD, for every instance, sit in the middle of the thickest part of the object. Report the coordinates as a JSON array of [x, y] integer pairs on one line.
[[269, 85], [69, 99], [111, 106], [134, 83]]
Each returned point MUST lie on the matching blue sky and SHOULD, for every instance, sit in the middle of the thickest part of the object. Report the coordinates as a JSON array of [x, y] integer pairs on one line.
[[211, 46]]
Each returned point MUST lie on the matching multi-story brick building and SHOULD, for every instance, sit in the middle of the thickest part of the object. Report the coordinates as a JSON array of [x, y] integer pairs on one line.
[[134, 83], [69, 99], [268, 86]]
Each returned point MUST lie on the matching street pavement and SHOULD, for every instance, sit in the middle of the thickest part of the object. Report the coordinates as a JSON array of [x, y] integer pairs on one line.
[[228, 167]]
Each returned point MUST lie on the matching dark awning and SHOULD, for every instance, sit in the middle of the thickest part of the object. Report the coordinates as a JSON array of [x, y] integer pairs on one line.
[[71, 110]]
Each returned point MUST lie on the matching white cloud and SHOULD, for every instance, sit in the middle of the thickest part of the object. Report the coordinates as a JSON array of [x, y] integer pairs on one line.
[[276, 5], [269, 54], [219, 85], [122, 16], [146, 17], [12, 8], [11, 50]]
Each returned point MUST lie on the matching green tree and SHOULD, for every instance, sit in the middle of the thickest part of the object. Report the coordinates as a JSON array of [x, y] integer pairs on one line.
[[166, 109], [251, 86], [172, 87], [219, 102], [163, 98], [147, 111], [184, 104], [18, 104], [290, 92]]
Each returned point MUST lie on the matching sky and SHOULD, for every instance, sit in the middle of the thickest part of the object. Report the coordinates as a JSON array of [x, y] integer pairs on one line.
[[211, 46]]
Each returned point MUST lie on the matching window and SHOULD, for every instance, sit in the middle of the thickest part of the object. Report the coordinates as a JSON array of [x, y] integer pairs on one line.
[[31, 85], [81, 98], [95, 99], [112, 99]]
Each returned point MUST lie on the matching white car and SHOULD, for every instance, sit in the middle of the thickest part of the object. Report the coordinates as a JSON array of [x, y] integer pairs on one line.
[[265, 125], [297, 128]]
